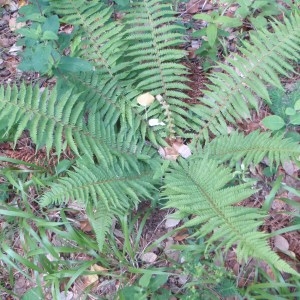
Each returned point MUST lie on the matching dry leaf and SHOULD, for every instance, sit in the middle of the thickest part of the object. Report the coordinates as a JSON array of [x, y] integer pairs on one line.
[[281, 243], [171, 223], [22, 3], [90, 279], [179, 238], [168, 153], [182, 149], [149, 257], [155, 122], [290, 168], [85, 226], [145, 99], [97, 268], [192, 6]]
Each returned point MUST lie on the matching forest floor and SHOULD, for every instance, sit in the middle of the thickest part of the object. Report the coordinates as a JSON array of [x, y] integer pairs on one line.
[[156, 225]]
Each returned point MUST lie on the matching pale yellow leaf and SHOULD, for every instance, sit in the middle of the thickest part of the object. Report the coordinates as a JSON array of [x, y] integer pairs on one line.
[[145, 99]]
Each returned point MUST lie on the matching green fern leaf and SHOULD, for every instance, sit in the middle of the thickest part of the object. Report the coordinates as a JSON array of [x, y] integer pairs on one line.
[[264, 58], [252, 148], [106, 192], [51, 118], [199, 188], [152, 35], [48, 116]]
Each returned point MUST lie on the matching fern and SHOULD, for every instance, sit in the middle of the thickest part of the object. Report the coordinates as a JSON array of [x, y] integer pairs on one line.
[[106, 192], [282, 100], [252, 148], [200, 188], [103, 43], [151, 32], [52, 118], [98, 118], [264, 58]]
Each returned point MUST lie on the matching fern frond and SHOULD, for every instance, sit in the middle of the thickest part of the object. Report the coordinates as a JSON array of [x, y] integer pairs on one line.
[[101, 219], [101, 39], [104, 46], [115, 188], [152, 35], [252, 148], [106, 192], [199, 188], [51, 119], [48, 116], [266, 56]]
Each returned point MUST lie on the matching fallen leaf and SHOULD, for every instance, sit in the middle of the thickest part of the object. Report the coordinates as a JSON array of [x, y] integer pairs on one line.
[[98, 268], [149, 257], [192, 6], [179, 238], [168, 153], [145, 99], [85, 226], [182, 149], [155, 122], [90, 279], [22, 3], [171, 223], [290, 168], [281, 243], [14, 25]]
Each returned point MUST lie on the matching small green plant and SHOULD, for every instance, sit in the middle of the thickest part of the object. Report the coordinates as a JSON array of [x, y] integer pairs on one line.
[[286, 109], [45, 46], [257, 13], [213, 32], [150, 286], [205, 279]]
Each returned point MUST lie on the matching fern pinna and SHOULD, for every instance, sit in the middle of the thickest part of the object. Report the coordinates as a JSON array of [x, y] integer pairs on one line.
[[96, 114]]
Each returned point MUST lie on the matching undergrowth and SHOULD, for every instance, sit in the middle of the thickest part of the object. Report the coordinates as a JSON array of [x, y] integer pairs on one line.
[[119, 106]]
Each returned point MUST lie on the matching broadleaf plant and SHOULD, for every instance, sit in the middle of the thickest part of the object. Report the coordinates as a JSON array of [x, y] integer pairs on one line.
[[96, 114]]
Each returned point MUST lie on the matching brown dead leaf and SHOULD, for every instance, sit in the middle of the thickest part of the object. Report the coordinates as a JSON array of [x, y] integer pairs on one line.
[[92, 278], [181, 235], [85, 226], [22, 3], [192, 6], [168, 153], [180, 238], [176, 148], [14, 25]]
